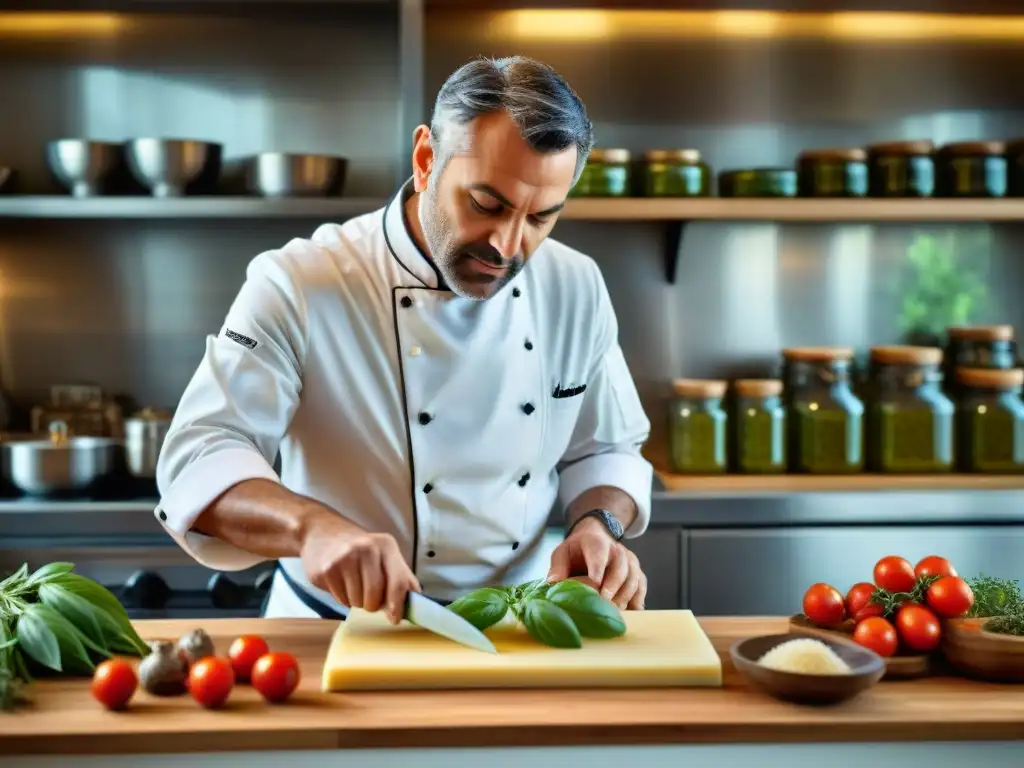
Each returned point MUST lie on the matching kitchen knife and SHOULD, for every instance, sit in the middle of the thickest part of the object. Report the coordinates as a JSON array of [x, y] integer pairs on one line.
[[425, 613]]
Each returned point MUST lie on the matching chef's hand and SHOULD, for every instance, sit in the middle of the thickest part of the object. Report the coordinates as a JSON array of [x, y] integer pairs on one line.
[[609, 566], [360, 569]]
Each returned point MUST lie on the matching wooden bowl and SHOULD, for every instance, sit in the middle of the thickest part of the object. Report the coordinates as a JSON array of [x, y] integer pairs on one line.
[[867, 669], [902, 666], [973, 652]]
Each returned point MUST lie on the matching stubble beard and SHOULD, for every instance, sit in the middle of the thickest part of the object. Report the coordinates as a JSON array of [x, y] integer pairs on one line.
[[437, 231]]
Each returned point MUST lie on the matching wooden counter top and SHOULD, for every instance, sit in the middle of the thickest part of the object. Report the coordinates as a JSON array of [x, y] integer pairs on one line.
[[64, 719]]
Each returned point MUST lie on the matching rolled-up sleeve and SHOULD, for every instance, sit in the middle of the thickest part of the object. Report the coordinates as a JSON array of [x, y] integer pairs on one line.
[[235, 410], [611, 428]]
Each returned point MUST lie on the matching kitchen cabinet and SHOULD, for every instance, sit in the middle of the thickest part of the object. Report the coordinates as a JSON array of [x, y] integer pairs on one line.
[[765, 571], [659, 553]]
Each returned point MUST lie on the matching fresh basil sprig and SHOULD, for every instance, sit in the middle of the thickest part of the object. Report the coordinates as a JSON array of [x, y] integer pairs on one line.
[[559, 615], [58, 620]]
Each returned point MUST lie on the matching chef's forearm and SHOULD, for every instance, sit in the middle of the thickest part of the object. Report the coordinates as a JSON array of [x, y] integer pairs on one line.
[[608, 497], [265, 518]]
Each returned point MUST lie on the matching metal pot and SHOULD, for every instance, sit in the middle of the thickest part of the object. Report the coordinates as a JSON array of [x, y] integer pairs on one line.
[[144, 435], [61, 464]]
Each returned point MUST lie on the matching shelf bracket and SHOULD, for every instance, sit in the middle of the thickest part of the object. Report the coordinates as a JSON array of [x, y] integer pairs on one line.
[[673, 239]]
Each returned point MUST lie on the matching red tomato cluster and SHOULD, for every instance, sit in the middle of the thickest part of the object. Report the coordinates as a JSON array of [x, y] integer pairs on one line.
[[275, 675], [902, 607]]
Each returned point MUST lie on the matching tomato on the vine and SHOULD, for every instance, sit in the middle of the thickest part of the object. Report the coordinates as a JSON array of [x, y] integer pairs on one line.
[[877, 634], [950, 597], [210, 681], [114, 683], [933, 565], [858, 602], [918, 628], [276, 676], [894, 574], [823, 605], [244, 653]]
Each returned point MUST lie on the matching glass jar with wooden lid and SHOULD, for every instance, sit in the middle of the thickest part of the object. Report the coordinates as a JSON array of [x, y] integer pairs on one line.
[[698, 427], [971, 169], [901, 169], [990, 420], [757, 182], [676, 173], [824, 418], [758, 421], [832, 173], [606, 174], [910, 421], [983, 346]]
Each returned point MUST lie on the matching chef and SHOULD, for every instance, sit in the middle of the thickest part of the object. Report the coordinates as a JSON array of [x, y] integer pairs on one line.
[[436, 377]]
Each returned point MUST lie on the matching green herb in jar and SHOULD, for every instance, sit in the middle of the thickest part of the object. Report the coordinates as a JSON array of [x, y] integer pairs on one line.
[[698, 427], [832, 173], [676, 173], [759, 426], [606, 174], [990, 420], [910, 421], [825, 420], [901, 169]]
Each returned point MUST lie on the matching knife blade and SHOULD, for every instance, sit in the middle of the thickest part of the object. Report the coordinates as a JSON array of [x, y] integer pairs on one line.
[[434, 617]]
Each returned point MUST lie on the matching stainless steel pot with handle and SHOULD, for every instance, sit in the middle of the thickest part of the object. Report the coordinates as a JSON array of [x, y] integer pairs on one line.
[[60, 464], [144, 435]]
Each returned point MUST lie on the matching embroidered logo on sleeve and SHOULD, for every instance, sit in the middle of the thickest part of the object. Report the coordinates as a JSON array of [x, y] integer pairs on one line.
[[561, 392], [245, 341]]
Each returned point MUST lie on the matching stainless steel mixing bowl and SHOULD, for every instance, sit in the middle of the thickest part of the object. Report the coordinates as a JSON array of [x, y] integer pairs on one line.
[[280, 174], [166, 166], [82, 166]]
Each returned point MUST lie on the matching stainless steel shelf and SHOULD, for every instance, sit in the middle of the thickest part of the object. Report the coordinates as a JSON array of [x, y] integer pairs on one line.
[[211, 207]]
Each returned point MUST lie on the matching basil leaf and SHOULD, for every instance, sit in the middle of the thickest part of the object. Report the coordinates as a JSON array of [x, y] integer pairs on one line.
[[78, 611], [7, 643], [16, 577], [592, 614], [48, 572], [74, 658], [549, 624], [536, 588], [122, 640], [37, 639], [482, 608], [572, 587], [21, 668]]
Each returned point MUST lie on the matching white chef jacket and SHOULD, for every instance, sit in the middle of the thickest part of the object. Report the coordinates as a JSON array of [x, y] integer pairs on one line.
[[454, 425]]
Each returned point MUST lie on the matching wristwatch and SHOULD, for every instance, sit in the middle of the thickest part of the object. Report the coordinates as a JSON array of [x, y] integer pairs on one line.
[[610, 522]]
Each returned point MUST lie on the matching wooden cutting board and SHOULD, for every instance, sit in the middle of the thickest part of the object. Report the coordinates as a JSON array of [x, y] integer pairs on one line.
[[659, 649]]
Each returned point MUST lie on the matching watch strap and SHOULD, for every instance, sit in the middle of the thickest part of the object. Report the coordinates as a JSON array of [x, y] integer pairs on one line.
[[607, 518]]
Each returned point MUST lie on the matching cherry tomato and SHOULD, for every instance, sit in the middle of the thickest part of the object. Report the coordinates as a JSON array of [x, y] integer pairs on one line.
[[276, 676], [244, 652], [933, 565], [877, 634], [114, 683], [950, 597], [894, 574], [823, 605], [918, 628], [210, 681], [858, 602]]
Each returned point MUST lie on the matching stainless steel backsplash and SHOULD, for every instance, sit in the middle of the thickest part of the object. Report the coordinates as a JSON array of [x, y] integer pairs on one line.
[[128, 304]]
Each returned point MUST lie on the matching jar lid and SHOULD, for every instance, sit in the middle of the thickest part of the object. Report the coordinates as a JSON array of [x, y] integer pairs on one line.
[[818, 354], [982, 333], [758, 387], [672, 156], [917, 147], [601, 155], [699, 387], [845, 154], [974, 148], [991, 378], [906, 355]]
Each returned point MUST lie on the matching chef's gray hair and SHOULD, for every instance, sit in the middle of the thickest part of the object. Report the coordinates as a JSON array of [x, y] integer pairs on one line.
[[550, 116]]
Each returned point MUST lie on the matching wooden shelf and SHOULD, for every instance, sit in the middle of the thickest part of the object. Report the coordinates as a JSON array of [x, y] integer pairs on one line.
[[212, 207], [747, 485]]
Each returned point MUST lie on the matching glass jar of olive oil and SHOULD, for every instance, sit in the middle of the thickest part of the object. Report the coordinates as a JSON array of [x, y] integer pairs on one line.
[[606, 174], [697, 427], [983, 346], [676, 173], [824, 419], [758, 427], [909, 419], [990, 420]]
